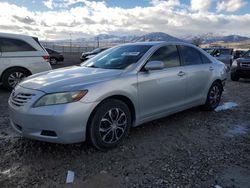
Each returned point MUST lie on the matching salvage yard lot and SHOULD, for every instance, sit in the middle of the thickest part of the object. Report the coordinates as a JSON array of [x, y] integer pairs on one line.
[[193, 148]]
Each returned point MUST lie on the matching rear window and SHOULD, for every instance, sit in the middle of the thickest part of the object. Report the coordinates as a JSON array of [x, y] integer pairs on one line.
[[14, 45], [48, 50], [37, 41]]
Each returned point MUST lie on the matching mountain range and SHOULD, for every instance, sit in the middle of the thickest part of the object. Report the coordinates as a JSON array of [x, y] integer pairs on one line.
[[213, 38], [159, 36]]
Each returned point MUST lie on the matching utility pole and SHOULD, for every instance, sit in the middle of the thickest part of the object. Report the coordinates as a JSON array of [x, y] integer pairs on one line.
[[98, 42], [70, 43]]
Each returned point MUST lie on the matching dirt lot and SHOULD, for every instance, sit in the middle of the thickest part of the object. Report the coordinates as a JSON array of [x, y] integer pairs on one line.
[[189, 149]]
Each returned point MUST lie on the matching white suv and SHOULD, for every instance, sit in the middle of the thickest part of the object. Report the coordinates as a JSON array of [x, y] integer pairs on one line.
[[20, 56]]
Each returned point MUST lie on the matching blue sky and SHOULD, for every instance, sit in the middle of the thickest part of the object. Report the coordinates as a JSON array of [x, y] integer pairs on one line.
[[57, 19]]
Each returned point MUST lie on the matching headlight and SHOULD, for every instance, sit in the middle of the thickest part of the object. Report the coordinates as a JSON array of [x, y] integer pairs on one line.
[[60, 98], [235, 63]]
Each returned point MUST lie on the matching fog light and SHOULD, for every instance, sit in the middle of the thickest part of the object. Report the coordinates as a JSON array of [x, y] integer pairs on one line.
[[48, 133]]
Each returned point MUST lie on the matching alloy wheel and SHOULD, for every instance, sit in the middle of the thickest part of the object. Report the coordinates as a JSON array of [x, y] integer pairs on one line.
[[15, 78], [113, 125], [53, 61], [214, 96]]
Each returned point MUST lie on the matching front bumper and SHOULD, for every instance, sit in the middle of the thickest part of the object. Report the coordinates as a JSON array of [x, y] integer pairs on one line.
[[67, 122], [241, 72]]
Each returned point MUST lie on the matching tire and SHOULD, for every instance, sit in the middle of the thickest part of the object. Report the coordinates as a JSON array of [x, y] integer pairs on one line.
[[235, 77], [53, 61], [213, 96], [103, 131], [13, 76]]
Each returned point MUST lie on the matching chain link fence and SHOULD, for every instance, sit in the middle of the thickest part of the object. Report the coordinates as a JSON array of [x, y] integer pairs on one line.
[[72, 50], [77, 47]]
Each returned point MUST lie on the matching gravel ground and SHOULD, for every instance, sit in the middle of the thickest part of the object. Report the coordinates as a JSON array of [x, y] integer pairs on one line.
[[189, 149]]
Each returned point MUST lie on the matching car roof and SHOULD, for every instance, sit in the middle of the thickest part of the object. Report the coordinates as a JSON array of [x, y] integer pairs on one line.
[[14, 35], [156, 43]]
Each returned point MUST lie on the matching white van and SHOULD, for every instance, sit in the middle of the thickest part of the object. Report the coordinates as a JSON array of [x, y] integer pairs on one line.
[[20, 56]]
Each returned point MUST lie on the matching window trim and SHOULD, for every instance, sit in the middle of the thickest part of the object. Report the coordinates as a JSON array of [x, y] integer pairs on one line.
[[19, 40], [152, 53]]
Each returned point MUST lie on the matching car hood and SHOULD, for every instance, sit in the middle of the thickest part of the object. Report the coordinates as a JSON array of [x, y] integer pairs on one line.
[[243, 60], [68, 79]]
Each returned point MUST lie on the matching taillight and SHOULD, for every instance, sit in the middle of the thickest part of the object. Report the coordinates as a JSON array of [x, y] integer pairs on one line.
[[46, 57]]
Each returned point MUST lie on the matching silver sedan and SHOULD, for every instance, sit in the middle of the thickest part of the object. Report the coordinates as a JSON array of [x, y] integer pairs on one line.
[[122, 87]]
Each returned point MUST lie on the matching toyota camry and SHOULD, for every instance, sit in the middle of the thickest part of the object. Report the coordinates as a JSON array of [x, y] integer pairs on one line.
[[120, 88]]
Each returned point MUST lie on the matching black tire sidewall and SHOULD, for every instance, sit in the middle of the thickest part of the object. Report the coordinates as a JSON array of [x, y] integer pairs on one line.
[[8, 73], [208, 106], [234, 77], [93, 132]]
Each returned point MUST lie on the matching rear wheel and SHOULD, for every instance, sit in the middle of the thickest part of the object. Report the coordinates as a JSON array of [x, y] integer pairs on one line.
[[14, 76], [234, 77], [109, 125], [213, 96], [53, 61]]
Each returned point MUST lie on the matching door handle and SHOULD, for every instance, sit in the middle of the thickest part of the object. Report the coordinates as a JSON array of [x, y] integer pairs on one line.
[[211, 68], [181, 73]]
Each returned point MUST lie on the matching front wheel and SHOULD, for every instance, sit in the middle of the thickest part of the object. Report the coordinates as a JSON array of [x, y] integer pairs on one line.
[[234, 77], [213, 96], [109, 125], [14, 76]]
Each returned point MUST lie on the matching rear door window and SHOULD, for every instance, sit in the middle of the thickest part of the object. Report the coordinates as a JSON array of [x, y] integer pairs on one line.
[[190, 56], [15, 45], [205, 59], [168, 55]]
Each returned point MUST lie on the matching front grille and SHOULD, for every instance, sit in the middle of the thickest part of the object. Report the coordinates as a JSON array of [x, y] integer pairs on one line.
[[245, 65], [20, 99]]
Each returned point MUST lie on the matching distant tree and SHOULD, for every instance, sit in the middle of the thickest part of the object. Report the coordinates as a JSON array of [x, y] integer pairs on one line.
[[197, 41]]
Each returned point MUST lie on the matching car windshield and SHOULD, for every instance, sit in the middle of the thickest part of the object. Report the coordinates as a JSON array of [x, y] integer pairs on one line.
[[247, 54], [118, 57]]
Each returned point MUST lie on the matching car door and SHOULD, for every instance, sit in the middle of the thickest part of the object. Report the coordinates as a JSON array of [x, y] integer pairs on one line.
[[162, 91], [225, 56], [199, 71], [1, 60]]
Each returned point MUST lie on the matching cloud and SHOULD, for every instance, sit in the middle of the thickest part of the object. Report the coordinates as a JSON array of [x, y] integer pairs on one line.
[[26, 20], [169, 3], [48, 4], [96, 17], [230, 5], [200, 5]]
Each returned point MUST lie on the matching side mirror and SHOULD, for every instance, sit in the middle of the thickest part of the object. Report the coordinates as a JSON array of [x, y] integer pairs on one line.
[[154, 65]]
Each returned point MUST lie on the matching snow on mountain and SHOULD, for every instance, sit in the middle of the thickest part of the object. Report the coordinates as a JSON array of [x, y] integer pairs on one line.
[[212, 37], [156, 36]]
